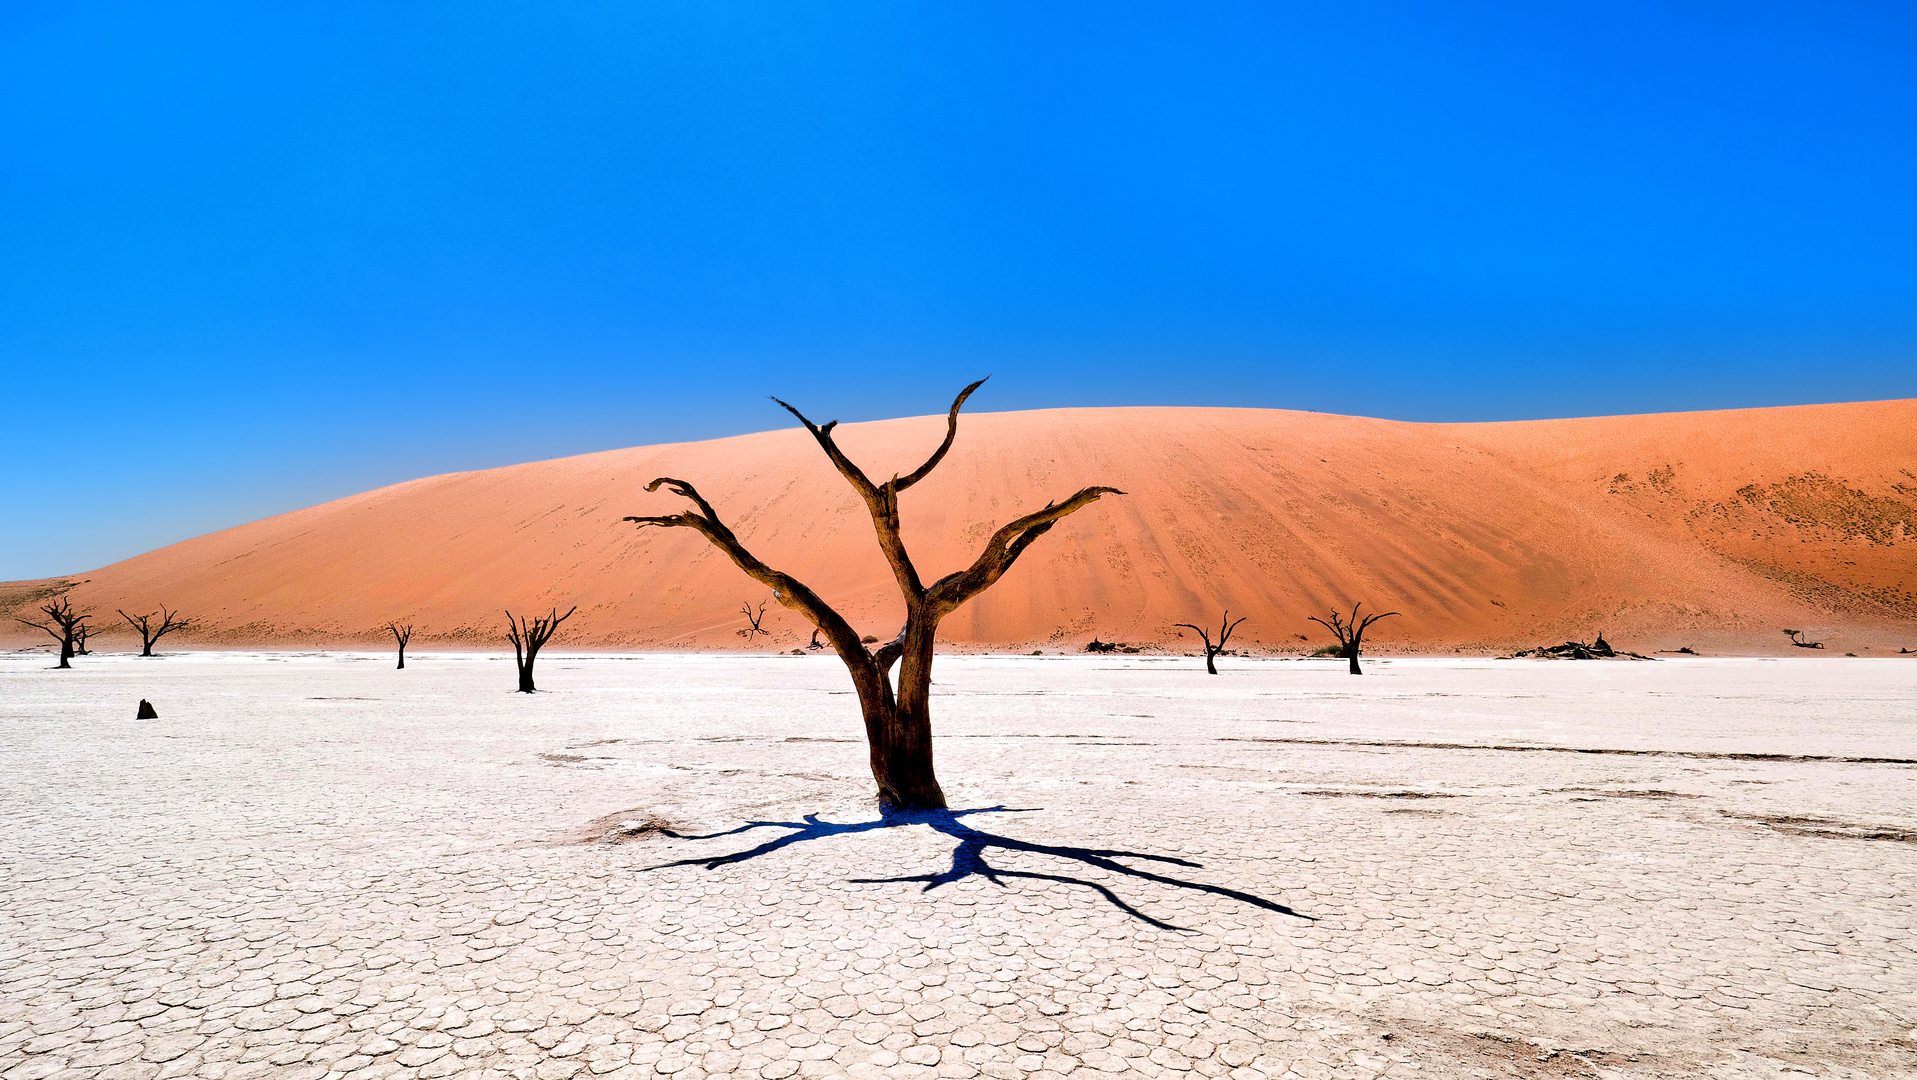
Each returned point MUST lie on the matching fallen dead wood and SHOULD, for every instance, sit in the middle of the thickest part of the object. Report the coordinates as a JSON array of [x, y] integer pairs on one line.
[[1578, 650]]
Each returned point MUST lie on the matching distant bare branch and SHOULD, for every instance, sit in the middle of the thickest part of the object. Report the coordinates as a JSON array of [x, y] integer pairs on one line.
[[528, 637], [752, 621], [71, 626], [1225, 626], [786, 589], [1350, 633]]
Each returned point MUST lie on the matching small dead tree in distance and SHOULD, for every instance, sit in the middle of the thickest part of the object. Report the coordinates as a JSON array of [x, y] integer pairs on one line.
[[898, 724], [1351, 635], [1795, 634], [1225, 627], [752, 621], [80, 635], [150, 634], [528, 638], [404, 634], [63, 624]]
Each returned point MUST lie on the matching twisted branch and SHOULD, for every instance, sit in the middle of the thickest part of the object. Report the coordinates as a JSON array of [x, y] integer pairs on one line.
[[535, 634], [1226, 624], [62, 615], [786, 589], [1351, 634]]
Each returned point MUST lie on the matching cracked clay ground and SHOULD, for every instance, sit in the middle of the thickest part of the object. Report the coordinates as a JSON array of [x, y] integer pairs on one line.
[[314, 865]]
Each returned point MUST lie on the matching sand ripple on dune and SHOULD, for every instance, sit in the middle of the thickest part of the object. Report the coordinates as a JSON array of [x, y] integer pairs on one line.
[[1707, 529]]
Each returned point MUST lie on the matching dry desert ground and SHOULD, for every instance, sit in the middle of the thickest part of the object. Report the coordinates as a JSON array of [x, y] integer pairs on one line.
[[668, 865]]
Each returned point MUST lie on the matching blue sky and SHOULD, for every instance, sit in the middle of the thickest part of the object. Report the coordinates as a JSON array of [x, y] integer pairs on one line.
[[255, 256]]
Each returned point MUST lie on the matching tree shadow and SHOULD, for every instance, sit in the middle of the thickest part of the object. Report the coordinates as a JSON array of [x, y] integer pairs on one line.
[[968, 858]]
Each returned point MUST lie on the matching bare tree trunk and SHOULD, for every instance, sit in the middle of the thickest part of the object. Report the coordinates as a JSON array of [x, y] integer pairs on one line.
[[898, 726], [900, 746], [149, 633], [63, 625], [902, 754], [1225, 627], [401, 635], [530, 636], [1351, 635]]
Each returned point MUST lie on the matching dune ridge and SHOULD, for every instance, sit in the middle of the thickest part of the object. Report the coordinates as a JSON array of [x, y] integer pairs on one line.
[[1709, 529]]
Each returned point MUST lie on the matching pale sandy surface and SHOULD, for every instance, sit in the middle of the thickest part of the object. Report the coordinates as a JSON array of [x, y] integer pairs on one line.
[[316, 864]]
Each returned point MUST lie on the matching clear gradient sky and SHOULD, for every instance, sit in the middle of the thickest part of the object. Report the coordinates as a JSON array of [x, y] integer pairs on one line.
[[256, 256]]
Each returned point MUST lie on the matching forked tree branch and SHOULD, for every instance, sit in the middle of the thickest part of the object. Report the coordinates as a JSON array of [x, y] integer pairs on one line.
[[1201, 631], [786, 589], [847, 468], [1369, 619], [1224, 634], [888, 654], [534, 635], [823, 433], [1353, 632], [881, 500], [57, 635], [61, 614], [150, 634], [1336, 626], [752, 620], [1226, 624]]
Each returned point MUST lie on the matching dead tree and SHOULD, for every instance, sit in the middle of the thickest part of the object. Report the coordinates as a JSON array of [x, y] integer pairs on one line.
[[64, 624], [530, 637], [404, 634], [752, 621], [1351, 635], [1224, 634], [898, 722], [151, 633], [1795, 634], [80, 635], [815, 643]]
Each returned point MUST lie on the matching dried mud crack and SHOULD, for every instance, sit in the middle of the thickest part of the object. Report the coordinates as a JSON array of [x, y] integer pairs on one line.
[[1695, 755], [700, 885], [1827, 828]]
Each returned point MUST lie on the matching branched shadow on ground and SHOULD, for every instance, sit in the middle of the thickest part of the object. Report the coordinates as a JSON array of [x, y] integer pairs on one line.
[[968, 858]]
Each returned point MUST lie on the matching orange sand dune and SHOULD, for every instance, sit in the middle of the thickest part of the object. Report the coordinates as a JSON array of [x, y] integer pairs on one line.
[[1706, 529]]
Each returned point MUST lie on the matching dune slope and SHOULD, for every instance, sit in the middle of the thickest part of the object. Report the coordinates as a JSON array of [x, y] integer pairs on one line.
[[1706, 529]]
